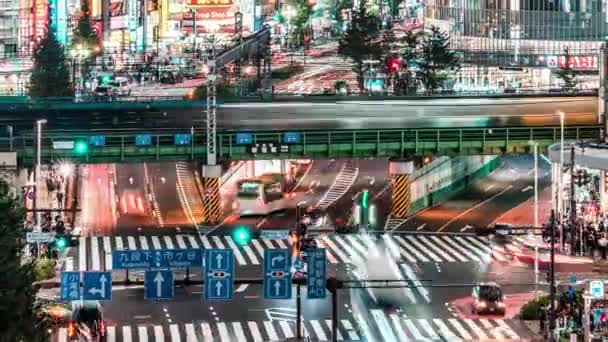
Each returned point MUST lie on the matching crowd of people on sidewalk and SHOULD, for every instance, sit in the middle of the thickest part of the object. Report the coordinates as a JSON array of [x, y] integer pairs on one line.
[[568, 315]]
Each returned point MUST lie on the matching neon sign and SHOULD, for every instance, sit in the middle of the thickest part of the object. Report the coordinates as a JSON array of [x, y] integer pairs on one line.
[[41, 14]]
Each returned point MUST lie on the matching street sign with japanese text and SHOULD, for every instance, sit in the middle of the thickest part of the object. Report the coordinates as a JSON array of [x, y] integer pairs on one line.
[[168, 258], [277, 273], [219, 274], [70, 286], [97, 286], [317, 273], [39, 237], [158, 284]]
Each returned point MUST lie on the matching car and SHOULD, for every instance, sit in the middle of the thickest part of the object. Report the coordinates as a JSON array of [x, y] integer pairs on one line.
[[87, 322], [105, 92], [488, 299]]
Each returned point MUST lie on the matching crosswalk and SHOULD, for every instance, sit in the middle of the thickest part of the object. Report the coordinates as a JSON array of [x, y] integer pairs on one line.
[[344, 181], [383, 327], [95, 252]]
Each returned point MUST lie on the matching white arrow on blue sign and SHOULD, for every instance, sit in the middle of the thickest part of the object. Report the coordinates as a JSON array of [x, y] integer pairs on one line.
[[97, 286], [277, 274], [219, 274], [158, 284]]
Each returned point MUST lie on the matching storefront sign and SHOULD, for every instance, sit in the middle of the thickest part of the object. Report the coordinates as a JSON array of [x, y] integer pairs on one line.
[[575, 62], [596, 287], [41, 15], [214, 13], [209, 3], [59, 19]]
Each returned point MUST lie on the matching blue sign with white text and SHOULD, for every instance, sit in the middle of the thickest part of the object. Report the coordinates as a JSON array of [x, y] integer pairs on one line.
[[292, 138], [244, 138], [219, 274], [317, 273], [182, 139], [143, 140], [97, 286], [70, 285], [165, 258], [158, 284], [277, 273], [97, 140]]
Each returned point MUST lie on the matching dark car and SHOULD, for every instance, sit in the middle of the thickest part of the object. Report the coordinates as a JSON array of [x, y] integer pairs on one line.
[[105, 92], [87, 322], [488, 299]]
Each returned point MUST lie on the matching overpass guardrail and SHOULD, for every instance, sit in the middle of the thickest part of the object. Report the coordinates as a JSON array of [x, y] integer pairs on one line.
[[132, 146]]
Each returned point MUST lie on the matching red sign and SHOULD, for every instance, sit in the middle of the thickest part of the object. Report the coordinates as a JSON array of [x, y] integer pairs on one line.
[[575, 62], [209, 3], [41, 15]]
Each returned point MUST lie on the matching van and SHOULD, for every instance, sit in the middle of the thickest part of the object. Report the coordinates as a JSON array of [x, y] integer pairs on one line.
[[121, 86]]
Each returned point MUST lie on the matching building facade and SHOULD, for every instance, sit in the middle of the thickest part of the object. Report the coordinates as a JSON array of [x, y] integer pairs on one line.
[[521, 43]]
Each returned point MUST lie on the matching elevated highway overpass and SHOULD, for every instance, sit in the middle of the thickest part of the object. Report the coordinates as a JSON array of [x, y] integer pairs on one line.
[[303, 114]]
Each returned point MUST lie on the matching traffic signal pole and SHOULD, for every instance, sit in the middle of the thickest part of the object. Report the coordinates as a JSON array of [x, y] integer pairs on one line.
[[298, 295], [552, 279], [572, 204]]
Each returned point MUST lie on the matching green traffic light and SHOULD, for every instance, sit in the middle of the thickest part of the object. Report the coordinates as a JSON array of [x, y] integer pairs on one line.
[[241, 235], [81, 147], [61, 243], [364, 198]]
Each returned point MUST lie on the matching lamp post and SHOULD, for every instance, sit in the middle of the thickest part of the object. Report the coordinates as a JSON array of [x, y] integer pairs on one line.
[[560, 187], [535, 147], [37, 171]]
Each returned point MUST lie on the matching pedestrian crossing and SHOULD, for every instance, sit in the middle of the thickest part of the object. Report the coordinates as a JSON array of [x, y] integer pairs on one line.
[[95, 252], [383, 327]]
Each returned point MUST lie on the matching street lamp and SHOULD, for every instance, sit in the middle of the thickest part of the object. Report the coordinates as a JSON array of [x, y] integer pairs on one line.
[[37, 171], [535, 147]]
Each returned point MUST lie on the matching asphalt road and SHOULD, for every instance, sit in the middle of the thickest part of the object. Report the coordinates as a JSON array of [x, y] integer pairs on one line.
[[484, 200], [301, 115]]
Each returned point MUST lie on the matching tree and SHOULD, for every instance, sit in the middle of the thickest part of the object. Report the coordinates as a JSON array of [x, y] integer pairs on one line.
[[84, 35], [19, 320], [299, 23], [359, 42], [336, 9], [568, 75], [50, 74], [437, 60]]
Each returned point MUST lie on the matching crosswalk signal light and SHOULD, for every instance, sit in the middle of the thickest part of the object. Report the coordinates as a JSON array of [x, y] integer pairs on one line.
[[61, 242], [80, 147], [242, 235]]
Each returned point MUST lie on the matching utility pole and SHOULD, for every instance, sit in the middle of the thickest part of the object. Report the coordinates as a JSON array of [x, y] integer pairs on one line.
[[238, 30], [572, 204], [552, 279]]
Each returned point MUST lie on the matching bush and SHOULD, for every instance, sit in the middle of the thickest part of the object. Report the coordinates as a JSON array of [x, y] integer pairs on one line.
[[285, 73], [531, 310], [44, 269], [222, 90]]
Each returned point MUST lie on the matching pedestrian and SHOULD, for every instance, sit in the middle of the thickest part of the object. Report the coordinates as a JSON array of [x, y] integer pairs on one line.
[[603, 242], [542, 317], [60, 200]]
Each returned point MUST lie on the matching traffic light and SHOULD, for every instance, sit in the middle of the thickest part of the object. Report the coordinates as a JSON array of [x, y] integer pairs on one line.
[[61, 242], [364, 199], [81, 147], [394, 64], [242, 235]]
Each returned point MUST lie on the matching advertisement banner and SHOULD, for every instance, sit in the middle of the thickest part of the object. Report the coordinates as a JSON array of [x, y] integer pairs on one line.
[[61, 21], [41, 15], [209, 3], [575, 62], [118, 8]]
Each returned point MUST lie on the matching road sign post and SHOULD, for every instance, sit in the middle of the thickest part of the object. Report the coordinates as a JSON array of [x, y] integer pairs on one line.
[[97, 286], [70, 286], [219, 274], [317, 273], [277, 274], [158, 284]]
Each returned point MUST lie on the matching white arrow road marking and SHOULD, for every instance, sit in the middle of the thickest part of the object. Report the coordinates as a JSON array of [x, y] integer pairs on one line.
[[465, 228], [528, 188], [420, 227]]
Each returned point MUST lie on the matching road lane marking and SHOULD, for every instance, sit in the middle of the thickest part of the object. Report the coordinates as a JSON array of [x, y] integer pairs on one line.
[[190, 332], [473, 208], [168, 242], [174, 331], [111, 337], [143, 242], [421, 227], [238, 331], [156, 242], [95, 254], [142, 331], [224, 334], [272, 334], [82, 254], [241, 288], [207, 333], [237, 252], [126, 334]]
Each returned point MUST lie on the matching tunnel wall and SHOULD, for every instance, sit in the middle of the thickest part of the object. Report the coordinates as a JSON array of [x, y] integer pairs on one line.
[[444, 177]]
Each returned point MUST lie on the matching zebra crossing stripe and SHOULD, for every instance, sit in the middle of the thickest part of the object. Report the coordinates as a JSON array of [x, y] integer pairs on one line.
[[207, 333], [448, 248], [206, 242], [143, 333], [356, 244], [131, 242], [282, 244], [251, 255], [111, 334], [383, 326], [339, 252], [126, 334], [82, 254], [414, 330], [445, 331], [193, 242], [237, 252], [218, 242], [158, 333], [437, 249], [421, 248], [485, 250], [407, 246], [180, 241], [268, 244], [190, 333], [94, 247], [168, 242], [224, 334], [143, 242], [496, 332], [461, 330], [174, 332], [272, 334], [476, 329], [316, 326], [503, 325], [119, 245], [238, 331], [62, 335], [339, 241], [255, 332], [258, 247], [397, 250], [352, 334], [461, 248], [398, 328], [286, 329], [428, 328], [107, 250], [328, 323], [474, 249], [156, 242]]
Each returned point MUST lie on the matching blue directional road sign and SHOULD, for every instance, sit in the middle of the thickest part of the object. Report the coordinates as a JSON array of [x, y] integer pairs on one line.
[[169, 258], [70, 285], [97, 286], [317, 273], [277, 274], [219, 274], [159, 284]]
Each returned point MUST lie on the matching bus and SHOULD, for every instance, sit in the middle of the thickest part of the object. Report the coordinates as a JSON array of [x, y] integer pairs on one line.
[[261, 195]]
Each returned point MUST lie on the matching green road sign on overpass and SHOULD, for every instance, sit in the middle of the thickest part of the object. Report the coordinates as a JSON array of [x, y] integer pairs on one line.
[[173, 145]]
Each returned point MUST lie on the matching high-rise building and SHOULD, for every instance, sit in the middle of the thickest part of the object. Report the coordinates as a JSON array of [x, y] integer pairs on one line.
[[520, 43], [9, 27]]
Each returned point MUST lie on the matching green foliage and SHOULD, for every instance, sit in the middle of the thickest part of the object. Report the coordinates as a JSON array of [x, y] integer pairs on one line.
[[568, 75], [223, 91], [50, 74], [436, 60], [84, 36], [299, 22], [44, 269], [336, 7], [18, 319], [340, 85], [285, 73], [359, 41], [531, 310]]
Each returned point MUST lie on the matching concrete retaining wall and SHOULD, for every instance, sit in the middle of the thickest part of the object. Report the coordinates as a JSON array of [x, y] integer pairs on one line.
[[447, 176]]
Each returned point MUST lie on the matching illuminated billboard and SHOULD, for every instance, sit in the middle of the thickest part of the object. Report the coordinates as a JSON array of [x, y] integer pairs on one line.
[[41, 15], [59, 19]]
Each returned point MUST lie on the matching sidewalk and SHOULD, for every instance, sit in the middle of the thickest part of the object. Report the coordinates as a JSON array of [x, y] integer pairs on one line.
[[523, 215]]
